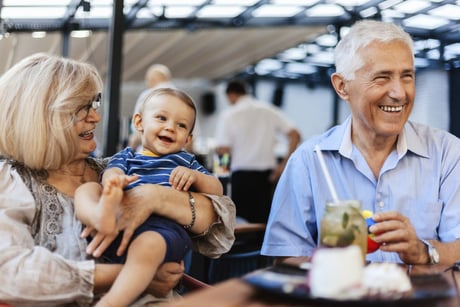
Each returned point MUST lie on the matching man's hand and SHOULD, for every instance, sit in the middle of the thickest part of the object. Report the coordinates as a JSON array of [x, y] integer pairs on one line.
[[167, 277], [396, 233]]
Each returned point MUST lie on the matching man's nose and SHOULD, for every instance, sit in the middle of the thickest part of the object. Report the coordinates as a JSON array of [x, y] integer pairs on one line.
[[397, 90]]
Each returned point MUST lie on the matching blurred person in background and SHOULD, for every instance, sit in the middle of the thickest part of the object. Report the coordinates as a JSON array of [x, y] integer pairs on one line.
[[248, 132]]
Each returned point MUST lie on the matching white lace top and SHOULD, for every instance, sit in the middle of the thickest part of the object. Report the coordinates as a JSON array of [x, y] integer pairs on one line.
[[42, 257]]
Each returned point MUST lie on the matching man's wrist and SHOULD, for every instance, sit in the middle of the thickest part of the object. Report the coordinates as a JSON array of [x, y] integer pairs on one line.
[[431, 252]]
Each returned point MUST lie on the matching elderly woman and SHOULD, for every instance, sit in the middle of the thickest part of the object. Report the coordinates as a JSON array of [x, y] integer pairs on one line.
[[48, 115]]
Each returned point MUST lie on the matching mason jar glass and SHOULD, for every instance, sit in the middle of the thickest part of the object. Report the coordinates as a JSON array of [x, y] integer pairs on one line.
[[343, 225]]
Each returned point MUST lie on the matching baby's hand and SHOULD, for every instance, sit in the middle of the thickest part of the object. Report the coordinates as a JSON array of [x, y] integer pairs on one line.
[[182, 178], [117, 181]]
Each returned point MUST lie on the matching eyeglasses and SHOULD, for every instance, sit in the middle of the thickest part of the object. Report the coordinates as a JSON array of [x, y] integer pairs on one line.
[[83, 112]]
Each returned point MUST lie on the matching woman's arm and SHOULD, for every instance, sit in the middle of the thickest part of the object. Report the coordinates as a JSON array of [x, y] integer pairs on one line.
[[183, 178], [214, 215], [32, 274]]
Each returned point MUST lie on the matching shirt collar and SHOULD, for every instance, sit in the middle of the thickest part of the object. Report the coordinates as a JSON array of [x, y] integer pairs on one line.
[[340, 139], [148, 153]]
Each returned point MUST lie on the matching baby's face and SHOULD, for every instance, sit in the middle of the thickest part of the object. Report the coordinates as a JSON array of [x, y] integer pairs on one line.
[[167, 122]]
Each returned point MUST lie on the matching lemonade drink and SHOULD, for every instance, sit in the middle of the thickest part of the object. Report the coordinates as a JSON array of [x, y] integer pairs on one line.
[[343, 225]]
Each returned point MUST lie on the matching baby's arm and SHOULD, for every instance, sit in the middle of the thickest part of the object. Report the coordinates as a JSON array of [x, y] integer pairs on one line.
[[112, 174], [182, 178]]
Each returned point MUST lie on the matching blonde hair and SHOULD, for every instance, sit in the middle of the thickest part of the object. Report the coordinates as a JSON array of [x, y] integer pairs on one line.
[[39, 96], [181, 95]]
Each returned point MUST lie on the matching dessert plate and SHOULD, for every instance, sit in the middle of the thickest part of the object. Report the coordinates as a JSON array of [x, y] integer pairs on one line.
[[290, 281]]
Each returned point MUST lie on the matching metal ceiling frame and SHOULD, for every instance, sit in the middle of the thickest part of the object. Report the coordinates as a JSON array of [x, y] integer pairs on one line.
[[120, 23]]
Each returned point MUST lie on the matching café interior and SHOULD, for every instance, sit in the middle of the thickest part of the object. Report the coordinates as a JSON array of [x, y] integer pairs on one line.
[[283, 47]]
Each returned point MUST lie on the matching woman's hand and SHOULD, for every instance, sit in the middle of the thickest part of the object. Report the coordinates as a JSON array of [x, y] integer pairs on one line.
[[167, 277], [142, 201], [137, 206], [99, 242]]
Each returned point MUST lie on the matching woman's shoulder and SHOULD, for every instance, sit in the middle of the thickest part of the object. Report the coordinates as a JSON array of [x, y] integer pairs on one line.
[[25, 173], [15, 186], [98, 163]]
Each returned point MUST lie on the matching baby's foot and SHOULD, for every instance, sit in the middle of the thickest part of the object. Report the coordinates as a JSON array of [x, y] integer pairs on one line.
[[107, 208]]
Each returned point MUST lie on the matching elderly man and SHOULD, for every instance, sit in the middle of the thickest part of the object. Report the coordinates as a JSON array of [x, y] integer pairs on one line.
[[406, 173]]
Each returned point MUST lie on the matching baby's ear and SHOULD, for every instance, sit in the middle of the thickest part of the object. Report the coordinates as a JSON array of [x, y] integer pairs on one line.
[[189, 139], [137, 122]]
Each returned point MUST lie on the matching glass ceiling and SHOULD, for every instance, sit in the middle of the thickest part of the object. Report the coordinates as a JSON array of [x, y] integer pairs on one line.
[[434, 24]]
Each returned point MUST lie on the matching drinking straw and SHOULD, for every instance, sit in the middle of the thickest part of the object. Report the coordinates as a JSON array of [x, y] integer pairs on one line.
[[326, 174]]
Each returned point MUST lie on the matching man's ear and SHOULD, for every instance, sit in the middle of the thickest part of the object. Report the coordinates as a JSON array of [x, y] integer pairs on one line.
[[339, 84], [137, 122]]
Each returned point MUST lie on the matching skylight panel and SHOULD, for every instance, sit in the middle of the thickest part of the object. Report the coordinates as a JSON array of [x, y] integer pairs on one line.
[[179, 11], [325, 10], [351, 3], [36, 2], [220, 11], [388, 15], [95, 12], [293, 54], [324, 58], [424, 21], [421, 62], [276, 11], [178, 2], [267, 66], [368, 12], [107, 2], [412, 6], [300, 68], [295, 2], [433, 54], [235, 2], [327, 40], [387, 4], [426, 44], [448, 11], [452, 51], [149, 13], [32, 12]]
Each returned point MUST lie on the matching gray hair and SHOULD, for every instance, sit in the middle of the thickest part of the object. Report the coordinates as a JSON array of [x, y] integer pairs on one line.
[[361, 34]]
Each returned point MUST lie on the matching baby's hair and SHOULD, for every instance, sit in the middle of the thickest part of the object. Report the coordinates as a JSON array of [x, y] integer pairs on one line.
[[183, 96]]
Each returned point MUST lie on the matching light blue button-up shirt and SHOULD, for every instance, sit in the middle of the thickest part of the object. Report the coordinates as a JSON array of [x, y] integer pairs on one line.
[[420, 179]]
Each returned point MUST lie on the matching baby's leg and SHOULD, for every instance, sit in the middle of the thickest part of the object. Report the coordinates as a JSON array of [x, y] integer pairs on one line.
[[105, 218], [145, 254]]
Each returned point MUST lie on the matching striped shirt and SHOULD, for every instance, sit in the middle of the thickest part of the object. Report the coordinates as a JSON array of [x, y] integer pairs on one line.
[[151, 169]]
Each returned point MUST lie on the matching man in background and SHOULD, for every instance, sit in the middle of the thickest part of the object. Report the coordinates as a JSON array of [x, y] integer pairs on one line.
[[248, 131]]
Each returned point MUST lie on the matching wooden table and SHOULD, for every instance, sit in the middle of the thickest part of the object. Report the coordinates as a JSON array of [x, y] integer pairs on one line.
[[236, 292]]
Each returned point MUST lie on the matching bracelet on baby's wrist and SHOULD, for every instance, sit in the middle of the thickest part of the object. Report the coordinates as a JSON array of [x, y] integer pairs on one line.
[[191, 201]]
